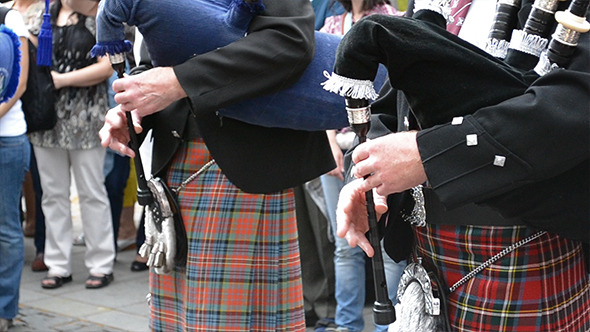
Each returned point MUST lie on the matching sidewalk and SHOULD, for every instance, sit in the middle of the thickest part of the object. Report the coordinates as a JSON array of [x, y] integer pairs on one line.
[[121, 306]]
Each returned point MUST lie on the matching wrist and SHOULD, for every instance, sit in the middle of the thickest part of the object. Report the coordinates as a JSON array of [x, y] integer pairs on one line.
[[176, 90]]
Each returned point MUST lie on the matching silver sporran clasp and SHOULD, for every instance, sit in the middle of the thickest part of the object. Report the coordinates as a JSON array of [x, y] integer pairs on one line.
[[160, 236]]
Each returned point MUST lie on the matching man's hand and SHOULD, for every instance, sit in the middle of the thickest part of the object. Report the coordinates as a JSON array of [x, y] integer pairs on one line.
[[351, 215], [115, 133], [148, 92], [392, 163]]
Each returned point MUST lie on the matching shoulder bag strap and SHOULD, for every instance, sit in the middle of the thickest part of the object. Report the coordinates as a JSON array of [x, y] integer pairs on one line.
[[3, 12]]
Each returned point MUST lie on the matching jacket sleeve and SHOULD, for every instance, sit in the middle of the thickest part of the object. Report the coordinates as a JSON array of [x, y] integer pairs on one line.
[[273, 55], [536, 136]]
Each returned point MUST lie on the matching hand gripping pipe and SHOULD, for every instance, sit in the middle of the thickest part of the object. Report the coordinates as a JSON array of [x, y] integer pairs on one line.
[[144, 195], [359, 117]]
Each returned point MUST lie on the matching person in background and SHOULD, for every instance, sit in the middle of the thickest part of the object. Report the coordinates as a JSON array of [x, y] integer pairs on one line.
[[117, 167], [354, 10], [73, 147], [127, 231], [84, 7], [316, 248], [14, 163], [350, 262], [32, 13], [324, 9]]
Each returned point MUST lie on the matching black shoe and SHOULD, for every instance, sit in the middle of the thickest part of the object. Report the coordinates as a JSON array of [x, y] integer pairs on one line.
[[102, 281], [56, 281], [311, 318], [325, 325], [138, 266]]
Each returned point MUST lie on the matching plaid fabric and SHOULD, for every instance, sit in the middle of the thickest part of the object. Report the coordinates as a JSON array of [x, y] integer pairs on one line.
[[243, 271], [541, 286]]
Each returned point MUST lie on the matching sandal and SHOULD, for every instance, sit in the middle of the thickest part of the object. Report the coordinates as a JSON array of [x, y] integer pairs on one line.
[[57, 281], [103, 281]]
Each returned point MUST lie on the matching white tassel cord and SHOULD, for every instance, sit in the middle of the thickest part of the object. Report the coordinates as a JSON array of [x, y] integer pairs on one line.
[[442, 7], [348, 87], [497, 48], [528, 43]]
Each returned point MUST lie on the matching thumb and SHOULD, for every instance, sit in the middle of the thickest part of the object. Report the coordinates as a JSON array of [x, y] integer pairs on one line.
[[380, 204], [136, 118]]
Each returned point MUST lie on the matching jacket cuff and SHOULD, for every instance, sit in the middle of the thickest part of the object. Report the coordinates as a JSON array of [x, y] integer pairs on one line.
[[139, 69], [465, 164]]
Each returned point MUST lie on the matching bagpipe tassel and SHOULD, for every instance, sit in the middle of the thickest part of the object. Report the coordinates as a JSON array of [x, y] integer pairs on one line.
[[9, 63], [45, 46], [111, 47], [528, 43], [442, 7], [497, 47], [349, 88]]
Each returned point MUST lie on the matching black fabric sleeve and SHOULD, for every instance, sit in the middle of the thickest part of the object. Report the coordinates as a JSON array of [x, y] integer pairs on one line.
[[530, 138]]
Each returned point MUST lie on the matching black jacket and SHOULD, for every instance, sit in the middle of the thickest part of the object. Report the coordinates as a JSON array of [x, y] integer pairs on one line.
[[544, 133]]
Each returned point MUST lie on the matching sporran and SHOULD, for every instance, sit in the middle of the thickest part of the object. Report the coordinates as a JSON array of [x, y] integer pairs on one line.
[[422, 301], [165, 243]]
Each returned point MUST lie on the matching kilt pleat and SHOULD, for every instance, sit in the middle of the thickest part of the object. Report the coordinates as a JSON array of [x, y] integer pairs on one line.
[[541, 286], [243, 271]]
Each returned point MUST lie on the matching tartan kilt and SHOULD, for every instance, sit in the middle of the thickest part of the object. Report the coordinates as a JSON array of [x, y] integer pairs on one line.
[[541, 286], [243, 271]]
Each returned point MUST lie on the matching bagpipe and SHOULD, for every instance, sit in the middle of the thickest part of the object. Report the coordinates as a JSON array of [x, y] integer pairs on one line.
[[9, 63], [176, 30], [444, 77]]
